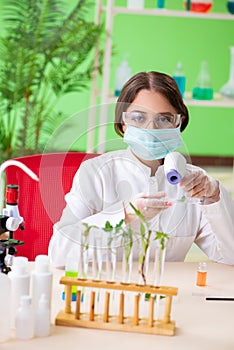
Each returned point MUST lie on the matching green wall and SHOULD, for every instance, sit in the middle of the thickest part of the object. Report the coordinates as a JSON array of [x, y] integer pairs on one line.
[[157, 43]]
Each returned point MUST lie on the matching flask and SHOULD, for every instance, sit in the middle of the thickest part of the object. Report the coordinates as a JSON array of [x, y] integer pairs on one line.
[[41, 280], [201, 274], [202, 6], [203, 89], [24, 321], [179, 77], [123, 73], [228, 89], [42, 318], [230, 6], [135, 4], [5, 301], [20, 280]]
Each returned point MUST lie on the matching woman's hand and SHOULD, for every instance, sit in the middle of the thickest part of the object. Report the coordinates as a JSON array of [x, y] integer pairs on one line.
[[148, 205], [198, 184]]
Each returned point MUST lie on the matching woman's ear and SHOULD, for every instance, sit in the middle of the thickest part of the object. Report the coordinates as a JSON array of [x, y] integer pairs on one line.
[[124, 127]]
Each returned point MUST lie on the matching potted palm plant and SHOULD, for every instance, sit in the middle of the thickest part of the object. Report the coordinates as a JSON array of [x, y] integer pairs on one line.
[[46, 52]]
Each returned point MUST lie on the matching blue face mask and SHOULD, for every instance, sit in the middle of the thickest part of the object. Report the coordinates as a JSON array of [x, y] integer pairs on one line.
[[150, 144]]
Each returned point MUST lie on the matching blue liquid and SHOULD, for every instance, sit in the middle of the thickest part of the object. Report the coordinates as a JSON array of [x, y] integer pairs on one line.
[[202, 93], [161, 4], [230, 7], [180, 81], [117, 93]]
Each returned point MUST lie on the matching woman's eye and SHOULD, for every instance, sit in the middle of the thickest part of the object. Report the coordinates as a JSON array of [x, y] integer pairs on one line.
[[165, 118], [138, 118]]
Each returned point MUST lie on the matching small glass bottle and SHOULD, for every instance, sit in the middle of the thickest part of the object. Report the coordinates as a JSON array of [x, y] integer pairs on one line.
[[230, 6], [203, 89], [180, 78], [201, 274], [161, 4]]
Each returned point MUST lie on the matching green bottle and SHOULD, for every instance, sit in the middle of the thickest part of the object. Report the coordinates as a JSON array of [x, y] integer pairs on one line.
[[203, 89]]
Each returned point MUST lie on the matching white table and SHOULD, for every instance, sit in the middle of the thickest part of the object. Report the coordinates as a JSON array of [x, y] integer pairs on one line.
[[200, 324]]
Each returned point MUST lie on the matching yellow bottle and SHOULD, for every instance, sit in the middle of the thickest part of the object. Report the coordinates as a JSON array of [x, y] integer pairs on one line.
[[201, 274]]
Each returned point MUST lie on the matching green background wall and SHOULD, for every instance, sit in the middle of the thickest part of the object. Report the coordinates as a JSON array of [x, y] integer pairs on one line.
[[157, 43]]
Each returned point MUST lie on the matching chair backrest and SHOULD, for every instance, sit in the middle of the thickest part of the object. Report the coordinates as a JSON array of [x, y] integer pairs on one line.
[[41, 203]]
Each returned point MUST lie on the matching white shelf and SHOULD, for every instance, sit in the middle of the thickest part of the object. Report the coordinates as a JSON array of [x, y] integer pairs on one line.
[[212, 103], [170, 13], [218, 101]]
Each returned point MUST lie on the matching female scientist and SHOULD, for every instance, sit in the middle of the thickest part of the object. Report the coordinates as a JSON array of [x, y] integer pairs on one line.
[[150, 116]]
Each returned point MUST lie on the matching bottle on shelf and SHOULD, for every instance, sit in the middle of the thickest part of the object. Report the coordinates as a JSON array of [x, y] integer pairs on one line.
[[230, 6], [228, 89], [180, 78], [24, 321], [203, 89], [201, 6], [161, 4], [123, 73], [135, 4]]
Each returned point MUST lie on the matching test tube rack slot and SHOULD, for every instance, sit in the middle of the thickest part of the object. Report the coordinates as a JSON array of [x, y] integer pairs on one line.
[[118, 322]]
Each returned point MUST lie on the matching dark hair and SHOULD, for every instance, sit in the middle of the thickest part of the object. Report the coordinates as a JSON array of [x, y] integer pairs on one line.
[[153, 81]]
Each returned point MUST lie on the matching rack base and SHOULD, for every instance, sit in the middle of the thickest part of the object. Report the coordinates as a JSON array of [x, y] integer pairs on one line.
[[158, 327]]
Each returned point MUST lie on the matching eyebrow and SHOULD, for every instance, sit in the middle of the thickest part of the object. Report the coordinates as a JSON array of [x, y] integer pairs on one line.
[[144, 112]]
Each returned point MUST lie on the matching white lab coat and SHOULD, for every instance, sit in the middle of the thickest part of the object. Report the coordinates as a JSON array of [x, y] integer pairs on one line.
[[102, 184]]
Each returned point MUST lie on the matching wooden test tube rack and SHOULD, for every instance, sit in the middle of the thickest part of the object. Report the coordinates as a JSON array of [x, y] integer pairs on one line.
[[68, 317]]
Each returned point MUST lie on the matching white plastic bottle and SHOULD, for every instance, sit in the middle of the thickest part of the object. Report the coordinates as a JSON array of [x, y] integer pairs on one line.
[[123, 73], [20, 281], [5, 301], [24, 320], [42, 318], [41, 281]]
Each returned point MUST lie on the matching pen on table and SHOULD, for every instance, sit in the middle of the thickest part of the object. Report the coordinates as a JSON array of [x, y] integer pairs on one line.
[[220, 298]]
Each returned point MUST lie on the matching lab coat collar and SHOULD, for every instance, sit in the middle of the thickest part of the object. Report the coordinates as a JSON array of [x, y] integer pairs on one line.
[[144, 167]]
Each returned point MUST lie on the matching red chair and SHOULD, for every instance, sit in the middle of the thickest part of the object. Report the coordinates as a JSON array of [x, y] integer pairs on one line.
[[41, 203]]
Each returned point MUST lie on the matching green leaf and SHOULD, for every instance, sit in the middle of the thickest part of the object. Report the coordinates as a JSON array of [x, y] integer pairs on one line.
[[108, 226], [137, 212]]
